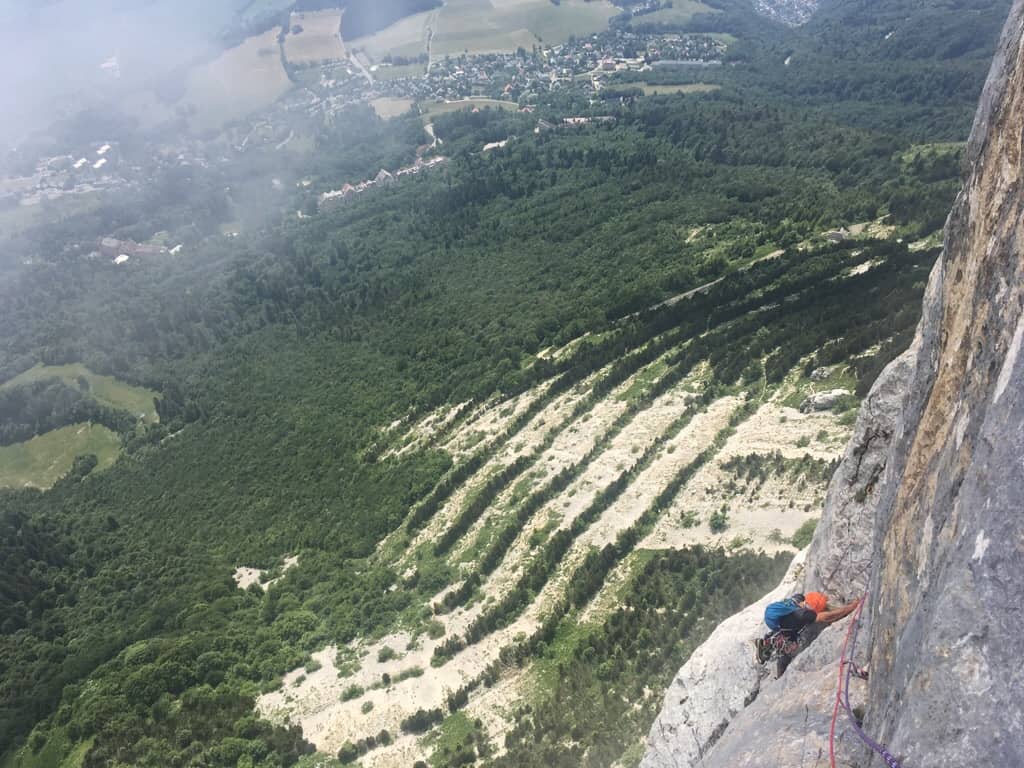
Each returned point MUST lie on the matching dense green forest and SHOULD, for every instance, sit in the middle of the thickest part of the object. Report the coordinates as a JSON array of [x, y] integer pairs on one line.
[[282, 353]]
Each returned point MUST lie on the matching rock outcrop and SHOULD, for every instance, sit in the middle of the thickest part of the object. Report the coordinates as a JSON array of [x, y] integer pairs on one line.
[[924, 512], [823, 401]]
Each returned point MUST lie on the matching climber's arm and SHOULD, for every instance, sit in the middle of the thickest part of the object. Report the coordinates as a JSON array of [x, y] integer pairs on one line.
[[827, 617]]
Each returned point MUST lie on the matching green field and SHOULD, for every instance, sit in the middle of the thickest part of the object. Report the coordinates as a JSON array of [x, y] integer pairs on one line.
[[388, 107], [104, 389], [681, 12], [432, 109], [497, 26], [503, 25], [43, 460], [56, 753], [933, 150], [406, 37], [663, 90]]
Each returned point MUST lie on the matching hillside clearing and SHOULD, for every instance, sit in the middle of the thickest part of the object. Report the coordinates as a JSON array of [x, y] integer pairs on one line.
[[666, 90], [246, 576], [43, 460], [104, 389]]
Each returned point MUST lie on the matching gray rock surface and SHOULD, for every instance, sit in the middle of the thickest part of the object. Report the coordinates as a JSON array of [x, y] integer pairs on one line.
[[839, 559], [787, 725], [822, 401], [821, 373], [948, 592], [925, 509], [718, 680]]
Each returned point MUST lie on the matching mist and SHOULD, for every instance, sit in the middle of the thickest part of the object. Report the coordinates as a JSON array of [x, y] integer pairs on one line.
[[65, 56]]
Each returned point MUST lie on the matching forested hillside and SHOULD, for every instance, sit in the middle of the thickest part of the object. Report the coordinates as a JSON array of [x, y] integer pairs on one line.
[[510, 410]]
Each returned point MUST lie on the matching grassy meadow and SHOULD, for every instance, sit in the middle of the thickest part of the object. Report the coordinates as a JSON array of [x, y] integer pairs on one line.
[[43, 460], [388, 107], [433, 109], [667, 90], [105, 389]]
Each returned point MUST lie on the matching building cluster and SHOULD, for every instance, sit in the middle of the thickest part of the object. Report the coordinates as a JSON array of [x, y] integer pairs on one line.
[[336, 197], [581, 64], [62, 175]]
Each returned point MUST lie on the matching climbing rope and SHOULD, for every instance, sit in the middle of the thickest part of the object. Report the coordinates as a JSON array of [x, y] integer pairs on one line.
[[846, 669]]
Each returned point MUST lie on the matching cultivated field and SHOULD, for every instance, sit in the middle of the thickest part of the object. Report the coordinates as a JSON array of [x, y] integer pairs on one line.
[[389, 106], [431, 109], [406, 37], [681, 12], [242, 80], [43, 460], [472, 26], [319, 39], [105, 389], [253, 10]]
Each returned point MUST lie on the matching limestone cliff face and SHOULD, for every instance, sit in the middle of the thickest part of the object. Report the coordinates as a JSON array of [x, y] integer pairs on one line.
[[926, 512]]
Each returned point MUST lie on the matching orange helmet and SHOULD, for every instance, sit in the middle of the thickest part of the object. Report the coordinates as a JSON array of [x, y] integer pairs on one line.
[[816, 601]]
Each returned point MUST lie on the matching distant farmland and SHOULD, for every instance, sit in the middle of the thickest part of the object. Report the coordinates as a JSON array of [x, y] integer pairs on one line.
[[681, 12], [433, 108], [407, 37], [388, 107], [240, 81], [319, 38], [664, 90], [487, 27], [503, 25]]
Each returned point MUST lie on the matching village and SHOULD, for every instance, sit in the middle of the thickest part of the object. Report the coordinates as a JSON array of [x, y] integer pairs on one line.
[[93, 169], [583, 66], [522, 80]]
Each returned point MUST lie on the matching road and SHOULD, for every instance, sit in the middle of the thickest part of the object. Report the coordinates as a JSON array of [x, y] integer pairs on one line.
[[359, 65]]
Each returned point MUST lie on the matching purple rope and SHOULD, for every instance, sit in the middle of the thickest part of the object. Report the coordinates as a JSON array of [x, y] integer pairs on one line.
[[880, 749]]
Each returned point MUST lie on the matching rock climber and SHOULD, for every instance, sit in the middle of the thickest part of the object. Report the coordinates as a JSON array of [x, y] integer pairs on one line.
[[786, 619]]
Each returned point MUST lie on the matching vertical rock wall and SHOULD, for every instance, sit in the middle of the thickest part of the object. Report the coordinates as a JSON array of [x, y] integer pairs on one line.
[[926, 511], [948, 592]]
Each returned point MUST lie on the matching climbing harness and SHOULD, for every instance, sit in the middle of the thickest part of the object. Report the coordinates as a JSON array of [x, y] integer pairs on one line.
[[776, 644], [783, 644], [847, 668]]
